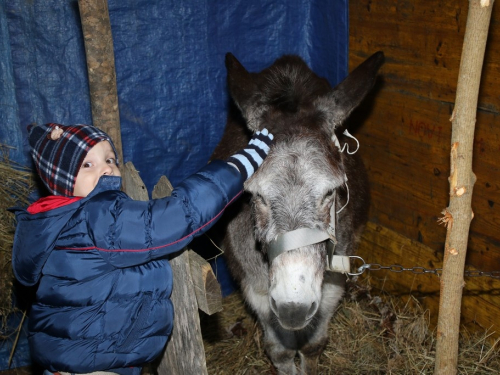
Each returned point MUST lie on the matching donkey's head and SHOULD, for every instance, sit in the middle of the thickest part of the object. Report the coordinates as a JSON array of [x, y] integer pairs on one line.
[[302, 183]]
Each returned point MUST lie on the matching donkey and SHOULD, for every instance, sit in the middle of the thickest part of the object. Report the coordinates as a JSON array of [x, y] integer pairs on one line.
[[307, 198]]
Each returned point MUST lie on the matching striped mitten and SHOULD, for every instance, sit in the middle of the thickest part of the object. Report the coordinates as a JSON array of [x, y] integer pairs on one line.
[[250, 158]]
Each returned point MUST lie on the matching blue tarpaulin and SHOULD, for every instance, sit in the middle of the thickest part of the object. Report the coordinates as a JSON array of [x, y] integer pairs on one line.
[[169, 58]]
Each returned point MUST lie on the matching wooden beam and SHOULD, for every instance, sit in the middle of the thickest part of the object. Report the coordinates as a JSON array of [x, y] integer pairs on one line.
[[206, 286], [163, 188]]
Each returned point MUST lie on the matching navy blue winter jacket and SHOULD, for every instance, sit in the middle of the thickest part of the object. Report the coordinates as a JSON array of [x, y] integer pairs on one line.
[[103, 299]]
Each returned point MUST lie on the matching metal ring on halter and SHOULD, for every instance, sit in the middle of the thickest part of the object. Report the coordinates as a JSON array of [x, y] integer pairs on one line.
[[360, 269]]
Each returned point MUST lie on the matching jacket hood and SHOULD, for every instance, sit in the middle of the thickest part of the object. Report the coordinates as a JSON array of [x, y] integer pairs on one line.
[[37, 234]]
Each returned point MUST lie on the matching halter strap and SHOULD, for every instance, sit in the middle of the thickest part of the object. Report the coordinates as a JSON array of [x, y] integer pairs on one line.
[[308, 236], [293, 240]]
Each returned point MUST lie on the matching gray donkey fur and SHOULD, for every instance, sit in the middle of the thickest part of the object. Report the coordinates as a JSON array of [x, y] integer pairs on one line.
[[294, 298]]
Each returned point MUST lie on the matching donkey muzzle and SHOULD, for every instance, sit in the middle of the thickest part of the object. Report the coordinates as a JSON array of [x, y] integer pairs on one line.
[[294, 316]]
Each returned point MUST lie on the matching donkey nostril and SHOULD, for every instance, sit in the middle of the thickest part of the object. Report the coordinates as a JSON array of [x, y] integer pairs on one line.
[[312, 310]]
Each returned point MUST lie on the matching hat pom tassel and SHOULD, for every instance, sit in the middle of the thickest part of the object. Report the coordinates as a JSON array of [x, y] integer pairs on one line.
[[56, 133]]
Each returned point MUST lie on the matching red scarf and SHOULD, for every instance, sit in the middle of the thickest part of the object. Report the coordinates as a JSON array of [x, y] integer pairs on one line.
[[51, 202]]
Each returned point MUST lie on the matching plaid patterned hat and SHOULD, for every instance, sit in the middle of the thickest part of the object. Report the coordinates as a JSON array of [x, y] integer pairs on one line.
[[59, 151]]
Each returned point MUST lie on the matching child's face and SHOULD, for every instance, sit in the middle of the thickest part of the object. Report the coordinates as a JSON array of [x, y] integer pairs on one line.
[[100, 160]]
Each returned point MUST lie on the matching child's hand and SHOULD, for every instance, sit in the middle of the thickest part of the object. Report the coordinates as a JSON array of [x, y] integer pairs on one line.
[[250, 158]]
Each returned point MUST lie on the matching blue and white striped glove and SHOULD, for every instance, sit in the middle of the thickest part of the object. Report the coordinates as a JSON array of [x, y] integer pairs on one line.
[[250, 158]]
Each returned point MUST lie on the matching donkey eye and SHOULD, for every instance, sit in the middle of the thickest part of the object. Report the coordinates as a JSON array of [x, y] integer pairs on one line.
[[328, 195], [260, 199]]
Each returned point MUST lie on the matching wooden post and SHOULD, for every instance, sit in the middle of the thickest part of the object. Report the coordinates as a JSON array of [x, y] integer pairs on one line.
[[135, 186], [458, 215], [98, 40], [185, 353]]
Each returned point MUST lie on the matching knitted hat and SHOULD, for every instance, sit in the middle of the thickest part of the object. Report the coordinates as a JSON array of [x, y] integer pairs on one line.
[[59, 151]]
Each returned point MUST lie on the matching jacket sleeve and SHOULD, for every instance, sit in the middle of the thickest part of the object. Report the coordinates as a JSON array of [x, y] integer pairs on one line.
[[134, 232]]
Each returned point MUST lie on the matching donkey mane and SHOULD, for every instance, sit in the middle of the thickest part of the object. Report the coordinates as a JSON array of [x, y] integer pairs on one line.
[[290, 86]]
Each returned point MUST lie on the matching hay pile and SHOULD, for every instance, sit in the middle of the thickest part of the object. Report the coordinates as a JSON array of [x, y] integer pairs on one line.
[[16, 183], [368, 335]]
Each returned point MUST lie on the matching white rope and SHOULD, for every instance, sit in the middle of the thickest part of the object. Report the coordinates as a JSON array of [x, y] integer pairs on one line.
[[347, 187], [342, 149], [346, 145]]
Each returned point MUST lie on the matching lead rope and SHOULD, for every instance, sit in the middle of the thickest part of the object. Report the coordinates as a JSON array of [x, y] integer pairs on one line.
[[342, 149], [347, 188], [339, 263]]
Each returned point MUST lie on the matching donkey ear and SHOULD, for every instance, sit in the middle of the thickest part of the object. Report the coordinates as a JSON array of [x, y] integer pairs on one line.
[[347, 95], [243, 87]]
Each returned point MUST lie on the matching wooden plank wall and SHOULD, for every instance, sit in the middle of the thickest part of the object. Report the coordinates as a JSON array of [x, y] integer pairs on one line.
[[405, 142]]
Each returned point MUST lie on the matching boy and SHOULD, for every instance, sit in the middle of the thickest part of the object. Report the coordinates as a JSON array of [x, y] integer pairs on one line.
[[100, 258]]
